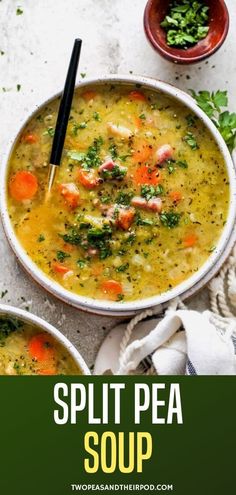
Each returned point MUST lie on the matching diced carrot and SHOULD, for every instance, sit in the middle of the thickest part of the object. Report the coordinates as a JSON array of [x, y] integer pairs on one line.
[[30, 138], [41, 347], [60, 268], [71, 194], [88, 179], [176, 196], [112, 288], [138, 122], [125, 218], [89, 95], [143, 152], [190, 240], [137, 96], [23, 185], [146, 175], [48, 371]]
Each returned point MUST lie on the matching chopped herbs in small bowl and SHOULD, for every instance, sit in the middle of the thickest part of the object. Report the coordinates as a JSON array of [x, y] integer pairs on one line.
[[186, 31]]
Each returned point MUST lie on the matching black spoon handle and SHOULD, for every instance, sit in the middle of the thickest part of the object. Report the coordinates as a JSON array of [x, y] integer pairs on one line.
[[65, 105]]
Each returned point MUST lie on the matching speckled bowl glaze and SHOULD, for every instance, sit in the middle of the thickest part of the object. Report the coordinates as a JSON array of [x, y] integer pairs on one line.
[[25, 316], [186, 288], [154, 14]]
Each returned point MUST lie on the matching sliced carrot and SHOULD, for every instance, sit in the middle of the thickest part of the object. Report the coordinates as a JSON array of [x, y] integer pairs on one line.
[[89, 95], [137, 96], [112, 288], [30, 138], [60, 268], [125, 218], [71, 194], [190, 240], [41, 347], [88, 179], [23, 185], [143, 152], [138, 122], [146, 175], [176, 196]]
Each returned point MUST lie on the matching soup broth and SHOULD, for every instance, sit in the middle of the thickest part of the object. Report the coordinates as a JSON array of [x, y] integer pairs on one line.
[[27, 350], [140, 198]]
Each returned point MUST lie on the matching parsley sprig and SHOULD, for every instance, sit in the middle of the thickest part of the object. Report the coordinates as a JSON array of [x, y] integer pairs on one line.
[[211, 104]]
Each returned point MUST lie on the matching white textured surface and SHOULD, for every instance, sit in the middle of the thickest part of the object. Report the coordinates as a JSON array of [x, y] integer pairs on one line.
[[37, 47]]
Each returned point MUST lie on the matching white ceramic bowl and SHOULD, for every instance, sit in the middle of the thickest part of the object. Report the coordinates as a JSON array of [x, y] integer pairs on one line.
[[25, 316], [186, 288]]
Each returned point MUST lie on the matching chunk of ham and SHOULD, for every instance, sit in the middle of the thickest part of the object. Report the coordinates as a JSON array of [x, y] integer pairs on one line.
[[125, 218], [121, 217], [107, 165], [154, 204], [119, 130], [70, 193], [92, 252], [163, 153], [89, 178]]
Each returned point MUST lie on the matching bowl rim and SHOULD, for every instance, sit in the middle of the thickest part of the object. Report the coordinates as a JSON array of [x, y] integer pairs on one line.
[[169, 52], [31, 318], [107, 307]]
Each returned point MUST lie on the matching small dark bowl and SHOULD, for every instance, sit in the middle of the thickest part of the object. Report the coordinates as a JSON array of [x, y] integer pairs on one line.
[[154, 14]]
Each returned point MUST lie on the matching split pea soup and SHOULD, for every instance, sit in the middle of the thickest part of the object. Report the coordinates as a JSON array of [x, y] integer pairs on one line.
[[27, 350], [140, 199]]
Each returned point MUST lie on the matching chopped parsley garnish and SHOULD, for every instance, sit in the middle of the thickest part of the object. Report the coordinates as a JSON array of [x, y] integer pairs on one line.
[[49, 132], [190, 139], [99, 238], [92, 237], [124, 198], [96, 116], [122, 268], [182, 163], [170, 166], [170, 219], [211, 104], [191, 120], [186, 23], [81, 263], [41, 238], [105, 199], [82, 125], [91, 158], [83, 74], [123, 158], [130, 239], [8, 326], [143, 221], [18, 87], [61, 256], [113, 151], [149, 192], [19, 11], [142, 116], [120, 297], [116, 172]]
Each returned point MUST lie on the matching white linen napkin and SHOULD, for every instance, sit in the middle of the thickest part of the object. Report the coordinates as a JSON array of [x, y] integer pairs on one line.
[[185, 342]]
